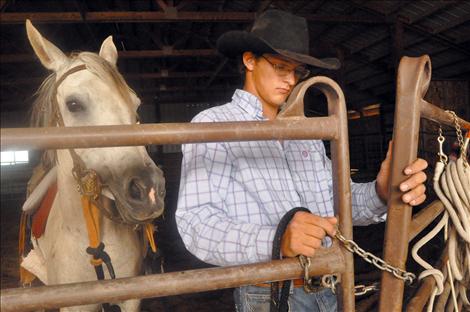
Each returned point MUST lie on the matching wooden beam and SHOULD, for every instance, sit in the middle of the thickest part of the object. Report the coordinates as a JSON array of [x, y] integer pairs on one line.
[[3, 5], [434, 7], [167, 53], [156, 17], [434, 34], [27, 57], [162, 4], [163, 74], [168, 89]]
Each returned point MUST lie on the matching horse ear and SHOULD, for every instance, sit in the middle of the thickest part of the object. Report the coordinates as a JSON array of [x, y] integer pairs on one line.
[[50, 56], [108, 50]]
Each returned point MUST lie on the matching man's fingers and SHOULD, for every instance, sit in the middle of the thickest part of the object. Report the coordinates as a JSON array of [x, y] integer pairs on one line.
[[389, 150], [414, 194], [311, 242], [417, 166], [327, 224], [315, 231], [418, 201], [413, 181]]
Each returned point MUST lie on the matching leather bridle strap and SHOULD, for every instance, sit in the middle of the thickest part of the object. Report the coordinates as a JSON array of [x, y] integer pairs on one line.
[[89, 185], [280, 304], [78, 164]]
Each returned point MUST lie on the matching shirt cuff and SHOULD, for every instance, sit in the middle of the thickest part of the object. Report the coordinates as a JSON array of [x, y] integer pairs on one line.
[[377, 207]]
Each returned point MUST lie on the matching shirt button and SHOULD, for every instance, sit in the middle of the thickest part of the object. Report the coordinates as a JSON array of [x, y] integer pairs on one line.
[[305, 154]]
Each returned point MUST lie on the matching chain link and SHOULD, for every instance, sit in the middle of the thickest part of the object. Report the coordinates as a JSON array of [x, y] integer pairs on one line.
[[360, 290], [376, 261], [458, 131]]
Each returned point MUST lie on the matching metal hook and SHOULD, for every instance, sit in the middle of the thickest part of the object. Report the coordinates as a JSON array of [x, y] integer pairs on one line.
[[442, 156]]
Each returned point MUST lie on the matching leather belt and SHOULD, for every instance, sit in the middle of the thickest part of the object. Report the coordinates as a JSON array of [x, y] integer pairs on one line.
[[297, 283]]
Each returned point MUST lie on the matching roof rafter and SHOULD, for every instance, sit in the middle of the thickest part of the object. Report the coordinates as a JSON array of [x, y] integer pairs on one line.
[[155, 17], [421, 30]]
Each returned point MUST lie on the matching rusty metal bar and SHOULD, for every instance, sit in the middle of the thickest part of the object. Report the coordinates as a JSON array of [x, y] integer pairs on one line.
[[168, 133], [342, 196], [327, 261], [340, 170], [442, 299], [437, 114], [290, 124], [421, 297], [414, 75], [423, 218]]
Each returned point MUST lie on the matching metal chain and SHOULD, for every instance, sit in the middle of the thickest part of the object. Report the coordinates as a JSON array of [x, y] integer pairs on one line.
[[376, 261], [458, 130], [360, 290]]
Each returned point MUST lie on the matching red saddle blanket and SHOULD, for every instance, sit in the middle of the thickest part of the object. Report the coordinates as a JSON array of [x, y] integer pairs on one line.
[[40, 216]]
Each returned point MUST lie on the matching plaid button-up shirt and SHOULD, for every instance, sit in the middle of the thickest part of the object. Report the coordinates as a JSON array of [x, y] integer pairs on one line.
[[233, 194]]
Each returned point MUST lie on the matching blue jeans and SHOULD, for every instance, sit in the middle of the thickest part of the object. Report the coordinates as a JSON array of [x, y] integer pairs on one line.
[[257, 299]]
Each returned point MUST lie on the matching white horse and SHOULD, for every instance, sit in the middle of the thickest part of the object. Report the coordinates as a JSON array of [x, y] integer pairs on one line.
[[134, 186]]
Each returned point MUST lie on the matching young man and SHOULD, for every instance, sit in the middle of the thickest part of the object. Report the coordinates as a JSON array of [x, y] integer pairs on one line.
[[233, 194]]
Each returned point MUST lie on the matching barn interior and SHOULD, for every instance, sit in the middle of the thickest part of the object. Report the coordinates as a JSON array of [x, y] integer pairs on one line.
[[167, 54]]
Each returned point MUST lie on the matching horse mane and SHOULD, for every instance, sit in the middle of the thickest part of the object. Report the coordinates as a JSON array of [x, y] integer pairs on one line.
[[42, 110]]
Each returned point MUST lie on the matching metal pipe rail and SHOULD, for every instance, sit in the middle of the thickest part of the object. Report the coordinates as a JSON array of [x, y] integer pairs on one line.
[[290, 124], [414, 76], [424, 217], [327, 261], [421, 297], [169, 133]]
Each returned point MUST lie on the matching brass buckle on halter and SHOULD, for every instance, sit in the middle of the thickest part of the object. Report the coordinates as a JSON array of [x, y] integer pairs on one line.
[[89, 183]]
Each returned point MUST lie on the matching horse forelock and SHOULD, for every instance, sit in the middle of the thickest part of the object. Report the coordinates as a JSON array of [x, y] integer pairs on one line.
[[108, 73], [41, 113]]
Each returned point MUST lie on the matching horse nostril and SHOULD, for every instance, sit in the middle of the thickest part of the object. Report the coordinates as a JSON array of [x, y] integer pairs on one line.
[[136, 191]]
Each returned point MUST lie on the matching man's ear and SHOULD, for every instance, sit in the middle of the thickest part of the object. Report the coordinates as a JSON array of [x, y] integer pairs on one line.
[[249, 60]]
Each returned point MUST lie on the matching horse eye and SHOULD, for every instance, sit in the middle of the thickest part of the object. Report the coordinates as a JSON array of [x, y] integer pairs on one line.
[[74, 106]]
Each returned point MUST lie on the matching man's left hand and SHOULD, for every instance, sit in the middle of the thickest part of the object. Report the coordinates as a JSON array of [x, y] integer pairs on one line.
[[413, 187]]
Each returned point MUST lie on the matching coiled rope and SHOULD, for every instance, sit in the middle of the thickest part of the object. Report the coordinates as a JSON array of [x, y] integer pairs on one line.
[[451, 183]]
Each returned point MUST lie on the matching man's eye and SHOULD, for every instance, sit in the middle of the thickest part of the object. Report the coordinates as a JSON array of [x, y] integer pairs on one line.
[[74, 106], [282, 68]]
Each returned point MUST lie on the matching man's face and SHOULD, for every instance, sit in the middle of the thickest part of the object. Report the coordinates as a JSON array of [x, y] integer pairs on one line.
[[274, 77]]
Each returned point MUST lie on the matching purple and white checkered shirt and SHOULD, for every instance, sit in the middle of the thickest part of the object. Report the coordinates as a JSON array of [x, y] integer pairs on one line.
[[233, 194]]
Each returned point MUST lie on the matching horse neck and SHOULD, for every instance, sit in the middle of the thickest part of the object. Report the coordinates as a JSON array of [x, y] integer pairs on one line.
[[68, 197]]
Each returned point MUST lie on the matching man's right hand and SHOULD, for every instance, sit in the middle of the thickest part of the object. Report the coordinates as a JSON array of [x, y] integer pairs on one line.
[[304, 234]]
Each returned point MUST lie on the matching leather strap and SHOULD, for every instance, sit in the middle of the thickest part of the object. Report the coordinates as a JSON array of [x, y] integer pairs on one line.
[[281, 304]]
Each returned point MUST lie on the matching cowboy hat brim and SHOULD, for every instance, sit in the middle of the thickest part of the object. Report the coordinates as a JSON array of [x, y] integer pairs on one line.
[[234, 43]]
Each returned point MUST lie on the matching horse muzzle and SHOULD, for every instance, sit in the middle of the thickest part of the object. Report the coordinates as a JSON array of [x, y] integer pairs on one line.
[[139, 195]]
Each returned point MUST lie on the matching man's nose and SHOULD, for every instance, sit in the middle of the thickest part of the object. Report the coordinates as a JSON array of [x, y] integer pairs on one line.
[[290, 78]]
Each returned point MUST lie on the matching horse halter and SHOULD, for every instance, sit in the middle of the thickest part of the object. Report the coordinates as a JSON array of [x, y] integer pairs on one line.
[[88, 180], [90, 186]]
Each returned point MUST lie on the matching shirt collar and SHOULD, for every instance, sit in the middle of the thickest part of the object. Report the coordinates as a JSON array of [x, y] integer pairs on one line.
[[249, 103]]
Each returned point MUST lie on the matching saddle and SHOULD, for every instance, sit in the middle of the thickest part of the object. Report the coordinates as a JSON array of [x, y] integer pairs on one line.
[[41, 192]]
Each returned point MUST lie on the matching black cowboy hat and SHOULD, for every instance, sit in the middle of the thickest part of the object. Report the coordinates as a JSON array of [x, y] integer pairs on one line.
[[275, 31]]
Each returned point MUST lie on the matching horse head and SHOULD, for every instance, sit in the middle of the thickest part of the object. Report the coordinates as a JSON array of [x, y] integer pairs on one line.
[[86, 89]]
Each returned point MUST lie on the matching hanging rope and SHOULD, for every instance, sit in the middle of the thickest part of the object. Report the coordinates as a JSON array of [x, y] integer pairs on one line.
[[452, 185]]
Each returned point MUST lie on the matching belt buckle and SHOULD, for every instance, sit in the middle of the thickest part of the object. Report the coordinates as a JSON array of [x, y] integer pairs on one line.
[[312, 285]]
